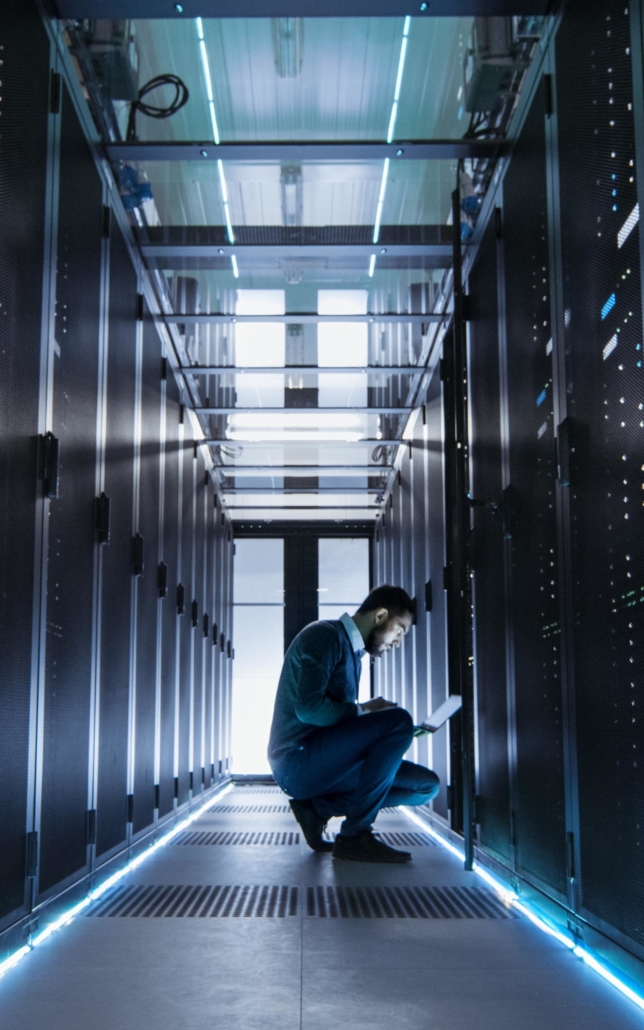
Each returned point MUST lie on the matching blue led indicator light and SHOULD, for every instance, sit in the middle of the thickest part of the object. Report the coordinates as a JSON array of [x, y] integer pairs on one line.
[[541, 398], [609, 305]]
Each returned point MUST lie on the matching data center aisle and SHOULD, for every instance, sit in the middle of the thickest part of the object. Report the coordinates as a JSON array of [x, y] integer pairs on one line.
[[237, 924]]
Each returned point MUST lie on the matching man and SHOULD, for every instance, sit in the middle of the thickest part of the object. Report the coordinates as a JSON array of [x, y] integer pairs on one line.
[[337, 757]]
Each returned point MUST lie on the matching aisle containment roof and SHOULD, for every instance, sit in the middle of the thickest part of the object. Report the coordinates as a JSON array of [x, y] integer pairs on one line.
[[302, 169]]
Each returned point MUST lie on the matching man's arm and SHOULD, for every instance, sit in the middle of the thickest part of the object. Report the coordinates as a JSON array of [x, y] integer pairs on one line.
[[321, 652]]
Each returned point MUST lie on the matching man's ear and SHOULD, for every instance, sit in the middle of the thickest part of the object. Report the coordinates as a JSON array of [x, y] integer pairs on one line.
[[380, 616]]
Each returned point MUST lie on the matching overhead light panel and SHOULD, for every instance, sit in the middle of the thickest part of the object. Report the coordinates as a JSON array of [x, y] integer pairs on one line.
[[372, 265], [381, 197], [401, 66], [205, 64], [233, 258], [291, 187], [288, 41], [224, 196]]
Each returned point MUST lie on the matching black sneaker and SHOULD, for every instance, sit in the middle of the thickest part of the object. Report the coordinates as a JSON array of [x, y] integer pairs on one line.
[[365, 847], [312, 826]]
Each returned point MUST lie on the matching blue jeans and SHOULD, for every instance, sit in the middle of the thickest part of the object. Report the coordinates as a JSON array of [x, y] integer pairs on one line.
[[355, 768]]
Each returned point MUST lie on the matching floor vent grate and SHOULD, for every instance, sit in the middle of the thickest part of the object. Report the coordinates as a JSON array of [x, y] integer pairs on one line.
[[415, 839], [199, 901], [405, 903], [257, 790], [321, 902], [222, 837], [249, 808]]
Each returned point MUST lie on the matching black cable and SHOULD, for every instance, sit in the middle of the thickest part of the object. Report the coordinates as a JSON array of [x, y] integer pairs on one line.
[[181, 97]]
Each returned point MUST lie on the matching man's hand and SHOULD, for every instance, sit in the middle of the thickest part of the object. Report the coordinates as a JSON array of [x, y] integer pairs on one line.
[[377, 704]]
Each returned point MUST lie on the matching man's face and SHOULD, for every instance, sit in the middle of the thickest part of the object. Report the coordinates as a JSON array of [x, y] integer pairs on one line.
[[388, 633]]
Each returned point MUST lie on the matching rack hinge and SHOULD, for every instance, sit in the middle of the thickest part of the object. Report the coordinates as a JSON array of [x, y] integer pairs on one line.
[[130, 808], [103, 511], [548, 97], [138, 559], [570, 855], [91, 826], [49, 464], [164, 368], [428, 596], [195, 614], [162, 579], [181, 599], [139, 307], [157, 795], [31, 857], [107, 221]]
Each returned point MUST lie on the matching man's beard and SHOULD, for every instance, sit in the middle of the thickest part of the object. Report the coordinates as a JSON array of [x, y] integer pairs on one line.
[[374, 643]]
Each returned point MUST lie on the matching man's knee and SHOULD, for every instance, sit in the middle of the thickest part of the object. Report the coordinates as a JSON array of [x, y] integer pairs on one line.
[[430, 785]]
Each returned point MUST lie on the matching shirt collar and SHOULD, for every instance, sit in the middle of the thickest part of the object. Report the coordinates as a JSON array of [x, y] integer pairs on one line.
[[355, 636]]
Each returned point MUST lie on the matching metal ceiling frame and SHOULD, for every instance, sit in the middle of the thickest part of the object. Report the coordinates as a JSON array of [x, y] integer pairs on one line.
[[308, 370], [295, 471], [370, 441], [301, 150], [246, 410], [169, 9], [436, 255], [306, 318]]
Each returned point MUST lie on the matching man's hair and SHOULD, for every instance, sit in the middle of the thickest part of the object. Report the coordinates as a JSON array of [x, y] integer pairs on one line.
[[394, 599]]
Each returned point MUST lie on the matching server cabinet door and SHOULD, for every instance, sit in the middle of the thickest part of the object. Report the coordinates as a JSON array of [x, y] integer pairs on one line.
[[69, 676], [199, 611], [186, 576], [23, 181], [487, 558], [169, 616], [603, 345], [534, 567], [147, 588], [116, 599]]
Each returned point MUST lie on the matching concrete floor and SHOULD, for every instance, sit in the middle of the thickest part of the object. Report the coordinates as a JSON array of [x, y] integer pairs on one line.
[[302, 972]]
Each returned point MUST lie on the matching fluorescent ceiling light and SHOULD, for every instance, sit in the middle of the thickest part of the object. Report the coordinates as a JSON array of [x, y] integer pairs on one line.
[[381, 197], [286, 436], [315, 419], [372, 265], [288, 39], [206, 72], [291, 186], [401, 66], [235, 268], [224, 195]]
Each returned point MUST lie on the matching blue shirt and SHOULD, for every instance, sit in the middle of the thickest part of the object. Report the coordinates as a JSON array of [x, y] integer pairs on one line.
[[318, 685]]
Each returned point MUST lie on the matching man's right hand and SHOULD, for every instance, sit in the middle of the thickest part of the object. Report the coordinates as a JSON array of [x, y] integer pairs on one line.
[[377, 704]]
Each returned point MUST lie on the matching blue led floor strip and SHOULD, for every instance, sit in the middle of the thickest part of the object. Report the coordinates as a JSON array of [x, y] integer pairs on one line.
[[511, 898], [98, 892]]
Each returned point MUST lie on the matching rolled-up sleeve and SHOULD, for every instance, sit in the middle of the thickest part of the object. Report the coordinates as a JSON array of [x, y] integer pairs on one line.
[[320, 654]]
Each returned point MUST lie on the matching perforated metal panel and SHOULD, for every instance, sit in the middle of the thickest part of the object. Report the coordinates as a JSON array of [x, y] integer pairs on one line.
[[487, 556], [540, 815], [169, 605], [70, 561], [25, 86], [602, 292], [117, 555], [185, 623], [148, 594]]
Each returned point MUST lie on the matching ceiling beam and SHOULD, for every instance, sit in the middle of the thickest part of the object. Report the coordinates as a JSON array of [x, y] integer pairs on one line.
[[371, 441], [294, 8], [295, 471], [423, 150], [258, 410], [304, 318], [361, 491], [434, 255], [308, 370]]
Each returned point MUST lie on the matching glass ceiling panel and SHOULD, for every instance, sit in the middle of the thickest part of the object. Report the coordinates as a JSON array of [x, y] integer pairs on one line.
[[334, 193], [336, 81]]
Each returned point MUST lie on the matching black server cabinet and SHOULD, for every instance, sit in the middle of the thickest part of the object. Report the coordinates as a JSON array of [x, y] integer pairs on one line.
[[207, 634], [603, 445], [168, 591], [421, 576], [539, 810], [188, 463], [146, 558], [71, 532], [435, 530], [488, 552], [198, 612], [117, 565], [23, 182]]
